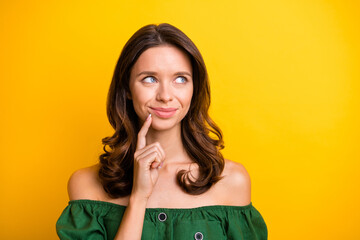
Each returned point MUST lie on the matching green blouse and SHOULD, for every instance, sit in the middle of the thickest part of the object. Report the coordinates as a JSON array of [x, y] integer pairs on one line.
[[91, 219]]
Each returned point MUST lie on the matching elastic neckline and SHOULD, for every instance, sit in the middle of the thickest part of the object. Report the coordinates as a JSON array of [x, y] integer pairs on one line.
[[209, 207]]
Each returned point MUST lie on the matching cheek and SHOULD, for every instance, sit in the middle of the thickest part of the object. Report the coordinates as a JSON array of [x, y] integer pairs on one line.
[[186, 98], [138, 94], [140, 99]]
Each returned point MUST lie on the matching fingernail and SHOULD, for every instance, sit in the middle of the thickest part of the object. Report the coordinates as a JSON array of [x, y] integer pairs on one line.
[[148, 116]]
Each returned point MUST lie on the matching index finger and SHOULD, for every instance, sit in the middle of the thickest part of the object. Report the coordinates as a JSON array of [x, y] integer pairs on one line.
[[141, 141]]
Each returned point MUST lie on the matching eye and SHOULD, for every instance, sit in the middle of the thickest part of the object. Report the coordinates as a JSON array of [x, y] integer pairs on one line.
[[180, 80], [149, 79]]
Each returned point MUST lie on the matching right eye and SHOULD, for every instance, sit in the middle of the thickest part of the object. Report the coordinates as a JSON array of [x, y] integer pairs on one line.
[[149, 80]]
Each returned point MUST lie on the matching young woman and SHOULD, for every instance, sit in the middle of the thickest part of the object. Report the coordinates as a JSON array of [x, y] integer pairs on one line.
[[162, 176]]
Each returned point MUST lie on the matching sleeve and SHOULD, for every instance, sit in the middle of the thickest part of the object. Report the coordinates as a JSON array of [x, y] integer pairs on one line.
[[79, 221], [246, 224]]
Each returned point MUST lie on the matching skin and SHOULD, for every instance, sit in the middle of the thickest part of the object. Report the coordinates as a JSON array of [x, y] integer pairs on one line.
[[160, 153]]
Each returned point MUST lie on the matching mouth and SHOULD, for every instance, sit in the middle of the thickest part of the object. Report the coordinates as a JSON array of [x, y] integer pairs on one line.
[[163, 112]]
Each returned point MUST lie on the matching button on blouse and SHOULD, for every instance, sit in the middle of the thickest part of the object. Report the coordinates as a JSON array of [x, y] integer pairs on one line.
[[162, 217], [199, 236]]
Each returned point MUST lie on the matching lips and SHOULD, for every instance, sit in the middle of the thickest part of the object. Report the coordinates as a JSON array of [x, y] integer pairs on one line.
[[164, 112]]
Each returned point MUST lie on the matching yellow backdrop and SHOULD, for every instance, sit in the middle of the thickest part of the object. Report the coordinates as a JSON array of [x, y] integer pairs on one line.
[[285, 91]]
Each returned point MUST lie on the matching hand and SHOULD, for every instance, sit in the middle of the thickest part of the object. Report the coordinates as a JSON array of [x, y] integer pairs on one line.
[[147, 161]]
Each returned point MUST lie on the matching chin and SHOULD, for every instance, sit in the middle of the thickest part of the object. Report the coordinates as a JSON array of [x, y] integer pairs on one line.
[[163, 124]]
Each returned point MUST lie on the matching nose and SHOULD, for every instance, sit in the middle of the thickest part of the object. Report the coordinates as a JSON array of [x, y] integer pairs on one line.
[[164, 92]]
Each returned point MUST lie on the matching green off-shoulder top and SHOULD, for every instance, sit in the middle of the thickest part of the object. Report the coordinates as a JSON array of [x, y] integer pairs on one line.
[[92, 219]]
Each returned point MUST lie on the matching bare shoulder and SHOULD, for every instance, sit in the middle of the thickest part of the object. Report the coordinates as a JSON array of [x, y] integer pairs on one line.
[[236, 184], [236, 172], [84, 184]]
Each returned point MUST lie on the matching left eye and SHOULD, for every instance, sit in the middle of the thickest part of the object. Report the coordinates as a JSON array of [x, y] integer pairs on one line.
[[180, 80]]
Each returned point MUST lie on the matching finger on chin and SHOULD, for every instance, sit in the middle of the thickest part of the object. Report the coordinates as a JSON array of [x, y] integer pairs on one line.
[[141, 142]]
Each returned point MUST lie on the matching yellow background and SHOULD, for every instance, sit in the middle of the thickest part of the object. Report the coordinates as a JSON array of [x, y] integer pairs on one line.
[[285, 91]]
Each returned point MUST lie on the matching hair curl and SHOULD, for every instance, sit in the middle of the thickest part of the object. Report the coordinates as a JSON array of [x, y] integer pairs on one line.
[[116, 164]]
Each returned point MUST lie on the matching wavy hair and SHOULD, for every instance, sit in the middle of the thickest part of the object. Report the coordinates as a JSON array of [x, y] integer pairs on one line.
[[116, 164]]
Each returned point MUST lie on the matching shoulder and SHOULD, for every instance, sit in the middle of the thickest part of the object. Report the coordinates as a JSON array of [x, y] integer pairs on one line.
[[236, 184], [236, 172], [84, 184]]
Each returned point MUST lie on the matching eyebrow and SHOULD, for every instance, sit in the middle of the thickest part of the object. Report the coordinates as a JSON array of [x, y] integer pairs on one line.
[[154, 73]]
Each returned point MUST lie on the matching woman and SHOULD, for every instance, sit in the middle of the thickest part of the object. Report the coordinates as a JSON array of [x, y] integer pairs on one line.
[[163, 176]]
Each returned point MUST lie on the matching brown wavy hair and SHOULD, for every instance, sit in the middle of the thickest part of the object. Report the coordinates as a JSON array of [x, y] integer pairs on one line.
[[116, 164]]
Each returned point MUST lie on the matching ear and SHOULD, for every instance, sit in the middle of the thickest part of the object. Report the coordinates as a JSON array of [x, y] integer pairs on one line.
[[128, 95]]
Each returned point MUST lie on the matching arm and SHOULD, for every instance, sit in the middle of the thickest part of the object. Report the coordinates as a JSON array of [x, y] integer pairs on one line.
[[133, 220], [147, 160]]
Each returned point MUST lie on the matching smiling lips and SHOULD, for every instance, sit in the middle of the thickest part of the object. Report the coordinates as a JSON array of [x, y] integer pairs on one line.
[[164, 112]]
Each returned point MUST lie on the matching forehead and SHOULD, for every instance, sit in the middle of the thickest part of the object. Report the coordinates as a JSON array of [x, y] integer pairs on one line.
[[164, 58]]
